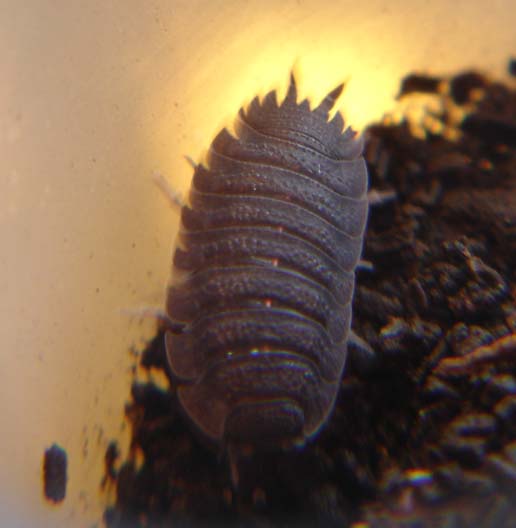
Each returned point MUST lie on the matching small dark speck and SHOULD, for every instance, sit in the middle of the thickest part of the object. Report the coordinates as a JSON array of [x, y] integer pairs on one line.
[[512, 67], [133, 245], [110, 458], [419, 83], [54, 473]]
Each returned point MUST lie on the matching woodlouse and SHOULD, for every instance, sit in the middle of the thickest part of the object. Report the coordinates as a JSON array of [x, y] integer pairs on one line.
[[267, 252]]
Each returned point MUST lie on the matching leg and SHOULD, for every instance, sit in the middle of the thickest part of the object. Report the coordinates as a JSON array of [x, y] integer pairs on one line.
[[174, 198], [380, 197], [362, 355], [149, 312], [365, 265]]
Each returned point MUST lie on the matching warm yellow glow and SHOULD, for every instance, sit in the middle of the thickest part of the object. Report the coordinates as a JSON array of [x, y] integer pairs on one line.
[[98, 97], [216, 96], [369, 46]]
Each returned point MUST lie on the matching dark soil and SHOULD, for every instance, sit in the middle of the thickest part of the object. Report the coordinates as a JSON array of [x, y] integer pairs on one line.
[[427, 436]]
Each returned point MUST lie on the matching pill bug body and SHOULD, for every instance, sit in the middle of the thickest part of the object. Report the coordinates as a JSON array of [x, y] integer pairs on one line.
[[266, 257]]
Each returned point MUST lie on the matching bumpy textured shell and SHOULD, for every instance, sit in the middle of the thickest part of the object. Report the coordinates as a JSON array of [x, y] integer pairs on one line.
[[268, 249]]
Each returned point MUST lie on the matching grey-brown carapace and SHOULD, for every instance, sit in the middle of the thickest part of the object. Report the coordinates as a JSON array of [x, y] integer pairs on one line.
[[267, 252]]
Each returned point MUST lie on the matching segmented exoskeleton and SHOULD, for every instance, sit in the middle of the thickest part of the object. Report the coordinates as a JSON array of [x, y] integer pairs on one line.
[[268, 248]]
